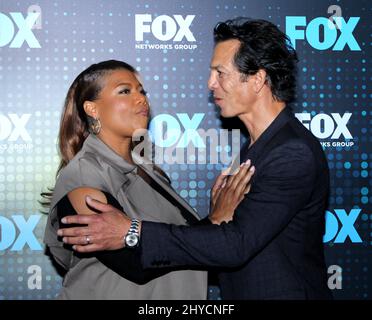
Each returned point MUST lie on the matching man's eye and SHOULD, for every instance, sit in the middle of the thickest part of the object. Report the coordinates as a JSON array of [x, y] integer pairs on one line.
[[219, 73], [125, 91]]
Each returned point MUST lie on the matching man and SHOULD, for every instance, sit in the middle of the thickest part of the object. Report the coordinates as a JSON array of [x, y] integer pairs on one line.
[[272, 249]]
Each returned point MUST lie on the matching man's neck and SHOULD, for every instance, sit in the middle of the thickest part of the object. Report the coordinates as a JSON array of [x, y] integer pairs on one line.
[[262, 114]]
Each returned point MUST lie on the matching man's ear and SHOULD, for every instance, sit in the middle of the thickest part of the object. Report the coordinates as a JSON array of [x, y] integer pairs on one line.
[[91, 109], [259, 80]]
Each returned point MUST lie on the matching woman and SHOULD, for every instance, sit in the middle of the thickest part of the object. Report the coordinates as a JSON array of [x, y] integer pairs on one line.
[[108, 100], [105, 106]]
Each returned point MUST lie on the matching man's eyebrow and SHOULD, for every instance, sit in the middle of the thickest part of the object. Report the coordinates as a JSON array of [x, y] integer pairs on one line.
[[217, 67]]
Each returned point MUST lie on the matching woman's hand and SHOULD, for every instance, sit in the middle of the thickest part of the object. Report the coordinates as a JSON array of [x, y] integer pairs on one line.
[[228, 191]]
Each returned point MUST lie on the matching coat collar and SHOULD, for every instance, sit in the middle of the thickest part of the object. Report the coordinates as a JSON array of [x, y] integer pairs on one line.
[[256, 149], [94, 144]]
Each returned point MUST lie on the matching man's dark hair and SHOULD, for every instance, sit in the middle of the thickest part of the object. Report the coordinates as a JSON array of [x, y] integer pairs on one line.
[[262, 46]]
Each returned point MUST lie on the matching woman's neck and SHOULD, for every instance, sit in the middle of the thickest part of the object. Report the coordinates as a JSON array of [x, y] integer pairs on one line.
[[121, 146]]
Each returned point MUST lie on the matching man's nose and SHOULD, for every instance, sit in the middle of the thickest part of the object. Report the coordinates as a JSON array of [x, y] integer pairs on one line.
[[212, 82]]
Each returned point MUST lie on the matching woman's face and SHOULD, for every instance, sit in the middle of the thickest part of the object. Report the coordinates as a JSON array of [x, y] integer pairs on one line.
[[122, 106]]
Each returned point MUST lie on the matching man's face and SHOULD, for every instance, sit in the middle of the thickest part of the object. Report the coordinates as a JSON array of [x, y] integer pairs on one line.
[[230, 93]]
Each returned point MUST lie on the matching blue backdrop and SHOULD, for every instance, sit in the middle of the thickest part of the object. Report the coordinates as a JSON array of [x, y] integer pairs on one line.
[[45, 44]]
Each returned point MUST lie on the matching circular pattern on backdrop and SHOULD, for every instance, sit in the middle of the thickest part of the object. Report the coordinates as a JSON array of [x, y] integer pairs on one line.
[[74, 35]]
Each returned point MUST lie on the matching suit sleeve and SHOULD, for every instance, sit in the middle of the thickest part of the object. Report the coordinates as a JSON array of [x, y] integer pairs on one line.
[[126, 263], [281, 188]]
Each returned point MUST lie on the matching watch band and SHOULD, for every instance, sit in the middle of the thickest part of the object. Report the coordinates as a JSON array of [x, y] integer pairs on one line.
[[134, 226], [132, 237]]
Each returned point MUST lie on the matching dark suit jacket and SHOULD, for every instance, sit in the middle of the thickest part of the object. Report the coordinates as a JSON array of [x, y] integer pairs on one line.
[[273, 248]]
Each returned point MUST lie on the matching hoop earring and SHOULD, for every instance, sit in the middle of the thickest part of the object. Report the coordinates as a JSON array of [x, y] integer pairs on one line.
[[94, 125]]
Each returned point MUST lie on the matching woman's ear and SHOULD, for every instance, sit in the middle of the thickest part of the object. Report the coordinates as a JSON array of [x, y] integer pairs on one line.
[[91, 109]]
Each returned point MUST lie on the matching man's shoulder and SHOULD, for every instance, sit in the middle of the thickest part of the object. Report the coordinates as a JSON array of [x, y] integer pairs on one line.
[[294, 137], [295, 130], [292, 143], [293, 149]]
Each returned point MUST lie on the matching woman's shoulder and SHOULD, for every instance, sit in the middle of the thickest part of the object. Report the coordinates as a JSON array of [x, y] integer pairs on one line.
[[82, 163], [84, 169]]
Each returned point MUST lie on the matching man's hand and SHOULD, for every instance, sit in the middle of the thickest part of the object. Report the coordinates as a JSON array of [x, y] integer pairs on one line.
[[229, 191], [104, 231]]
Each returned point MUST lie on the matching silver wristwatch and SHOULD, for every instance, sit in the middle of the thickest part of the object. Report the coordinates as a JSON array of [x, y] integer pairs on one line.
[[132, 237]]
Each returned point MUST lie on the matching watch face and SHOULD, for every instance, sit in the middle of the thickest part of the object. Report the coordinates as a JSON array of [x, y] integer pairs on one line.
[[131, 240]]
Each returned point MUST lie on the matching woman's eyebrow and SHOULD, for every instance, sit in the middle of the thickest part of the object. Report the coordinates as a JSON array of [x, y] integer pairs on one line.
[[123, 84]]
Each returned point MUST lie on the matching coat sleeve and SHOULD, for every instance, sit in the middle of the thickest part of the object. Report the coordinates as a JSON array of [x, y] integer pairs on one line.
[[281, 188]]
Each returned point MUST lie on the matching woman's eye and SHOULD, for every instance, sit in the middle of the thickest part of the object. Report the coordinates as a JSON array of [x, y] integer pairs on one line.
[[144, 92], [125, 91]]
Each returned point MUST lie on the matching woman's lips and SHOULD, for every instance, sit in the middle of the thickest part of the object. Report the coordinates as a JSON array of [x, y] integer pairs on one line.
[[144, 112]]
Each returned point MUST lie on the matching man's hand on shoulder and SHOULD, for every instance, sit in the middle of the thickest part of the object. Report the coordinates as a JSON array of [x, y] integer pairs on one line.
[[103, 231]]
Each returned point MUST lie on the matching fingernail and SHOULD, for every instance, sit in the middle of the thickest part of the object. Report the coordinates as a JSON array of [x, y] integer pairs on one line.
[[248, 162], [88, 198], [64, 220], [252, 169], [64, 239], [59, 232], [74, 247]]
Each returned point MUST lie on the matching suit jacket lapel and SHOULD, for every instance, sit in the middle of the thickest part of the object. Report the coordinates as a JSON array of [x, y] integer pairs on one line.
[[255, 151]]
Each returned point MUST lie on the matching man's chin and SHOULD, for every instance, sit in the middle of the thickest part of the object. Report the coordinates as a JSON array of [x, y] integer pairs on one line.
[[224, 114]]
